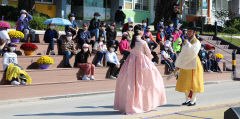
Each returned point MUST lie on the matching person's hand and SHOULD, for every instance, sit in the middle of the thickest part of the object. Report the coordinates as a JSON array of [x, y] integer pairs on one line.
[[74, 52], [118, 66], [185, 41], [88, 41], [176, 70]]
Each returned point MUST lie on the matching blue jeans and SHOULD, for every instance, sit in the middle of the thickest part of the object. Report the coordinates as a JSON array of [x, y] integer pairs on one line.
[[100, 54], [95, 32], [170, 65], [26, 32], [175, 21], [67, 54], [52, 44], [150, 44]]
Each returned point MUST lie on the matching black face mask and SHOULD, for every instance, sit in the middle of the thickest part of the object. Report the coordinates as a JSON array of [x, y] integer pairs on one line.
[[148, 30]]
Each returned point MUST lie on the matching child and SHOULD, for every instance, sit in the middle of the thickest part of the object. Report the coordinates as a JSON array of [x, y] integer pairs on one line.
[[213, 63], [101, 49], [4, 39], [170, 29], [124, 45], [203, 55], [160, 25], [176, 34], [82, 62], [149, 38], [161, 38], [111, 37], [177, 45], [130, 34], [51, 36], [13, 71], [155, 58], [166, 59], [112, 62]]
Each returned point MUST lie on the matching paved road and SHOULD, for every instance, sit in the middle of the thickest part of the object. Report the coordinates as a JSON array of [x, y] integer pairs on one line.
[[100, 106]]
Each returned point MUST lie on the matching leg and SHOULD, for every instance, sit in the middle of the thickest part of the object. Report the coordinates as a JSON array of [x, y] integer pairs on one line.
[[111, 65], [97, 33], [154, 46], [33, 35], [67, 55], [86, 68], [100, 54], [52, 43], [117, 44], [25, 32], [92, 69]]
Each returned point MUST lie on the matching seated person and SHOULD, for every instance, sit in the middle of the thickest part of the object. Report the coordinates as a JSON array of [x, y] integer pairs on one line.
[[130, 34], [84, 36], [165, 58], [124, 44], [149, 38], [72, 28], [68, 49], [4, 39], [203, 55], [213, 64], [161, 38], [101, 49], [155, 58], [82, 62], [112, 62], [13, 71], [50, 36], [177, 45], [111, 38]]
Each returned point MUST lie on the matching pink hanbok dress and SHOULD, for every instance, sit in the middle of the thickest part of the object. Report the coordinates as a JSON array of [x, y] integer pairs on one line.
[[139, 85]]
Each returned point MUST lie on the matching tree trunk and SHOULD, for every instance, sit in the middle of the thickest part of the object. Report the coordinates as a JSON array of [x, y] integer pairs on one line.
[[27, 5], [164, 10]]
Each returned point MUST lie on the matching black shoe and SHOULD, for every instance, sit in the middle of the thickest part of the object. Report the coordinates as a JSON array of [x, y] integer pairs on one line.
[[186, 103], [68, 66], [192, 104]]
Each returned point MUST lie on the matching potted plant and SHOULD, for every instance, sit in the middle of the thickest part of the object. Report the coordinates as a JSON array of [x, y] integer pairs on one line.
[[45, 62], [28, 48], [219, 57], [15, 36]]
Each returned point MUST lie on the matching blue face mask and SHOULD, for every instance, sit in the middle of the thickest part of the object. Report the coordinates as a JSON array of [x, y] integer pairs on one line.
[[97, 17], [203, 54]]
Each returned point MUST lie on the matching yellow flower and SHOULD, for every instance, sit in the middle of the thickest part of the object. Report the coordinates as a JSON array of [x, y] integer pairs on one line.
[[45, 60], [219, 56], [16, 34]]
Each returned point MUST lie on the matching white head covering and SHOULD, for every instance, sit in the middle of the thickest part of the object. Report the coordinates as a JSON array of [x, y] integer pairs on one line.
[[130, 19], [23, 11], [85, 45], [125, 33]]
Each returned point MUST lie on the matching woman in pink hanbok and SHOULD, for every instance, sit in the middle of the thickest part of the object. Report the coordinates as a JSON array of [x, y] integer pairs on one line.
[[139, 85]]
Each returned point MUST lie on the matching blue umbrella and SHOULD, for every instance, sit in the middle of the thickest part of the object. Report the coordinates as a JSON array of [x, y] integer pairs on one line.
[[58, 21]]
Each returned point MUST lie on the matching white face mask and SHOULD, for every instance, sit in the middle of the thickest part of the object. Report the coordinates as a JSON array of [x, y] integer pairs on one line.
[[52, 27], [213, 50], [69, 38], [161, 23], [144, 24], [166, 49], [85, 49], [176, 32], [73, 18], [101, 39], [171, 25], [138, 37], [12, 48], [130, 29], [24, 15], [171, 39], [112, 49], [202, 48]]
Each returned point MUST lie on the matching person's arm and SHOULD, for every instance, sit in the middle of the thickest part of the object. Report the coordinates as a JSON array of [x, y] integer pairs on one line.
[[153, 38], [5, 60], [89, 36], [115, 35], [116, 59], [29, 17], [15, 59], [159, 36], [95, 47], [3, 43], [107, 57]]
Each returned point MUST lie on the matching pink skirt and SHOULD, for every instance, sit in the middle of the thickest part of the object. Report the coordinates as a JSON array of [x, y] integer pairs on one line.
[[139, 86]]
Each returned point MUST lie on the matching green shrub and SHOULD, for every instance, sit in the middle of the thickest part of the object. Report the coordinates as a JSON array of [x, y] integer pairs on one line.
[[230, 30], [233, 22], [37, 22], [211, 28]]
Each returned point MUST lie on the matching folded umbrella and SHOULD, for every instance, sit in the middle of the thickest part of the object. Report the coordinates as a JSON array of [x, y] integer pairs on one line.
[[4, 24], [58, 21]]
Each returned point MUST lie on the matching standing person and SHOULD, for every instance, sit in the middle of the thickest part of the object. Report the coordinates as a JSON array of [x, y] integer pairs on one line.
[[72, 28], [84, 36], [190, 78], [68, 49], [94, 25], [112, 62], [126, 25], [81, 61], [120, 16], [175, 15], [139, 87], [130, 34], [22, 25], [50, 36], [111, 38]]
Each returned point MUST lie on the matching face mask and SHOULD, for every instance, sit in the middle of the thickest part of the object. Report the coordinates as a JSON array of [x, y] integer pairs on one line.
[[52, 27], [148, 30], [161, 23], [112, 27], [85, 49], [171, 39], [171, 25], [101, 39], [148, 39], [166, 49], [84, 29], [138, 37], [130, 29], [176, 32], [144, 24], [213, 50], [12, 48], [69, 38], [73, 18], [97, 17], [161, 30], [202, 48], [24, 15], [112, 49]]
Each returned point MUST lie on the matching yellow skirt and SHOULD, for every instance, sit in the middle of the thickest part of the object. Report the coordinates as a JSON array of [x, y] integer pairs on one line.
[[191, 79]]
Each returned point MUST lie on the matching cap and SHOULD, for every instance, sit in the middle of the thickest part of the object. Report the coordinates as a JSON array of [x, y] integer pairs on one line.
[[85, 45], [23, 11], [11, 45], [85, 25], [71, 15], [68, 33], [130, 19], [96, 14], [125, 33]]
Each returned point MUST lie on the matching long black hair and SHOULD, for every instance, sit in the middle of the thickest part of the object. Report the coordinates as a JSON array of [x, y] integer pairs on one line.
[[137, 28]]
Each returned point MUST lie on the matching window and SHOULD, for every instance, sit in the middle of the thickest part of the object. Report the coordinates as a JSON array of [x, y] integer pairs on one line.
[[44, 1], [93, 3], [128, 4], [138, 4]]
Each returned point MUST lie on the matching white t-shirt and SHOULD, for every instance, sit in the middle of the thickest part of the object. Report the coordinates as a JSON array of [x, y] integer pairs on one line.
[[164, 53], [100, 46], [4, 35], [9, 58], [112, 58]]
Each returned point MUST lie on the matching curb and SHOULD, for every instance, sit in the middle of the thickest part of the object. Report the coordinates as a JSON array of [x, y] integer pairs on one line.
[[13, 101]]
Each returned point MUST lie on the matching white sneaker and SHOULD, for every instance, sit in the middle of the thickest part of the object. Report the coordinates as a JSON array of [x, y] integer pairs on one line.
[[155, 63], [15, 83], [112, 77], [92, 77], [99, 64], [85, 77], [23, 82]]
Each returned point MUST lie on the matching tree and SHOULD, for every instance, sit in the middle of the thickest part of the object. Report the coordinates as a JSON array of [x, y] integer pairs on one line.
[[163, 9], [27, 5]]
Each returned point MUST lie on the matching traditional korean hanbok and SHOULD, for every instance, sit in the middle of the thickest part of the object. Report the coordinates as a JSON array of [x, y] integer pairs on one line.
[[139, 85]]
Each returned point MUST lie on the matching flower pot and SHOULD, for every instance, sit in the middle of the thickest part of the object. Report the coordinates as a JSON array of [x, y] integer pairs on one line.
[[29, 52], [218, 60], [44, 66], [15, 40]]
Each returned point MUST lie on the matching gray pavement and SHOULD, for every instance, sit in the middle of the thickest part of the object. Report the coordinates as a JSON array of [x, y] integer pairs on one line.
[[101, 106]]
